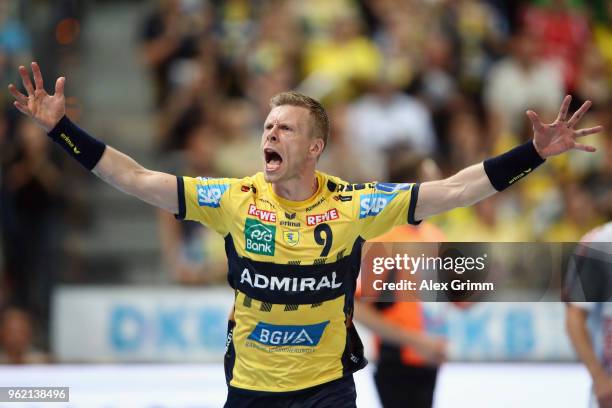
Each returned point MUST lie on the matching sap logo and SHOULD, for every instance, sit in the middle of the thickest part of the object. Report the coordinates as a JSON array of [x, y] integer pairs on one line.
[[393, 187], [372, 204], [259, 238], [268, 216], [209, 195], [277, 335]]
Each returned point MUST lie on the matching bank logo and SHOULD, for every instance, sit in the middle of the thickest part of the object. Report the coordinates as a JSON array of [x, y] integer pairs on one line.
[[370, 205], [291, 238], [259, 238], [393, 187], [209, 195], [277, 335]]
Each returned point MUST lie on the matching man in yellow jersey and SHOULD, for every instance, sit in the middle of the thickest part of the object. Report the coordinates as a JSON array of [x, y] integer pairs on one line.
[[293, 236]]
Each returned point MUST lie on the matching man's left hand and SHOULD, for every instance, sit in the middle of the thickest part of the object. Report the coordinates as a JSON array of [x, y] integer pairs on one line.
[[560, 136]]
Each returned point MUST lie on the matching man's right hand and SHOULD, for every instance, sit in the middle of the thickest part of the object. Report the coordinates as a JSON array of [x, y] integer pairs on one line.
[[603, 391], [433, 349], [45, 109]]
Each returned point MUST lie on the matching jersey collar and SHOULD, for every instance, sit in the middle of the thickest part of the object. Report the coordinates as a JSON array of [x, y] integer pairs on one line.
[[299, 204]]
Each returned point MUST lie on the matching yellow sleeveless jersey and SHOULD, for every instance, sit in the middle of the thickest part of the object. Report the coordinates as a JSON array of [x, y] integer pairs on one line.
[[293, 266]]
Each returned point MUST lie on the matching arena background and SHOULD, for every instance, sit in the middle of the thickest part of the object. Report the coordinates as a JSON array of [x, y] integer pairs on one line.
[[109, 294]]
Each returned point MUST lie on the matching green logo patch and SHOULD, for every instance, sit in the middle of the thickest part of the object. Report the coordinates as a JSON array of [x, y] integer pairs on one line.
[[259, 238]]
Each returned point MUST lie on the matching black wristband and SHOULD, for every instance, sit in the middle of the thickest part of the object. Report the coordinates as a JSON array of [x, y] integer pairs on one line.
[[86, 149], [511, 166]]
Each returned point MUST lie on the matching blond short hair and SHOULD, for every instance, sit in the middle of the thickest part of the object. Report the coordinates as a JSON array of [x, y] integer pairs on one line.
[[321, 126]]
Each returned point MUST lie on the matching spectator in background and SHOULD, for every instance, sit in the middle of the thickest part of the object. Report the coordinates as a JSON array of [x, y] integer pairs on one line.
[[192, 254], [589, 313], [519, 82], [319, 16], [399, 29], [194, 101], [384, 117], [592, 81], [334, 66], [578, 215], [239, 127], [408, 357], [560, 32], [16, 339], [488, 221], [436, 83], [15, 42], [466, 140], [170, 35], [599, 180], [602, 34], [31, 192], [478, 33], [274, 56]]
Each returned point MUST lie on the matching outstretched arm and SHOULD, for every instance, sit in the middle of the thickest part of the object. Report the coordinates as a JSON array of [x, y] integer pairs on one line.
[[432, 349], [482, 180], [112, 166]]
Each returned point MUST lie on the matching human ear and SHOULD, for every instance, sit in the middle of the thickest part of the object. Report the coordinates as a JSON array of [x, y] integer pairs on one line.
[[316, 147]]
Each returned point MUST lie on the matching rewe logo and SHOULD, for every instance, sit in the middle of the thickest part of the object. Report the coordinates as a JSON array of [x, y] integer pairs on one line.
[[372, 204], [283, 335], [269, 216], [259, 238], [329, 215], [209, 195]]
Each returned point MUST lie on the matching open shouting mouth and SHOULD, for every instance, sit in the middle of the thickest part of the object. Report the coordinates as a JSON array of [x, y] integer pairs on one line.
[[273, 159]]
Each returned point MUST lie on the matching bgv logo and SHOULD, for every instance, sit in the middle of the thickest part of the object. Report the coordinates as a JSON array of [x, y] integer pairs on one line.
[[370, 205], [284, 335]]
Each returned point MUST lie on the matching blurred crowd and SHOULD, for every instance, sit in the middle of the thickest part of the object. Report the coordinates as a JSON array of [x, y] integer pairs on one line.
[[446, 80], [35, 205], [449, 80]]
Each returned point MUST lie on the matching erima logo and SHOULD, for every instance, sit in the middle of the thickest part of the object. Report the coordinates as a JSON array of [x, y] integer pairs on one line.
[[370, 205], [284, 335], [515, 178], [209, 195], [288, 284], [259, 238], [70, 143]]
